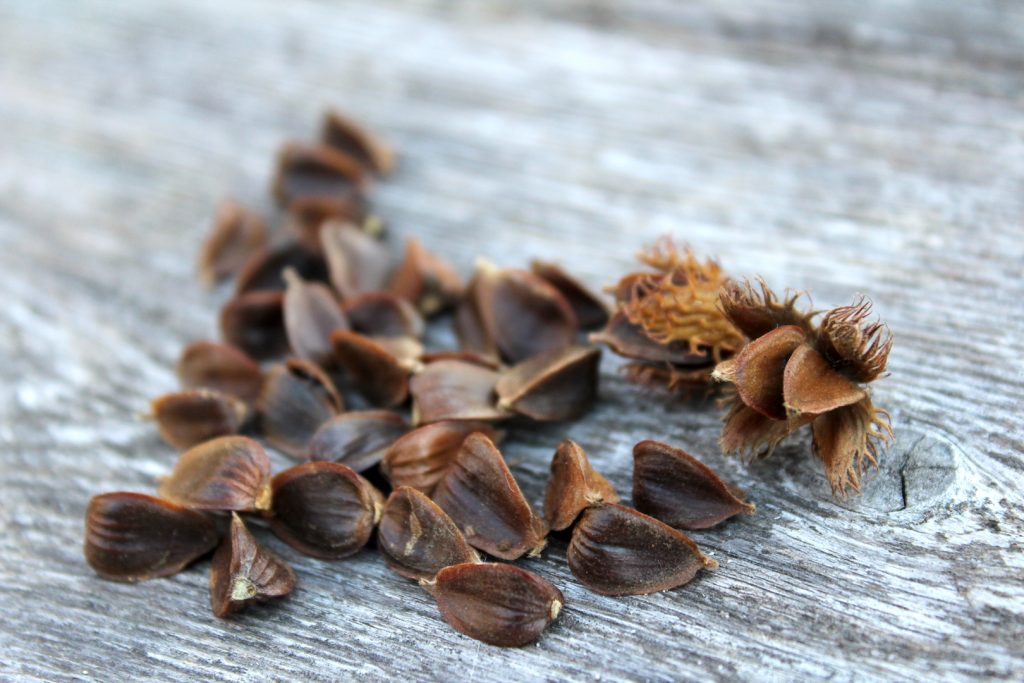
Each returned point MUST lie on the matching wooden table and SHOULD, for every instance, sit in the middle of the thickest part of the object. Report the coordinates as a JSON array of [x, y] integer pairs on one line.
[[842, 147]]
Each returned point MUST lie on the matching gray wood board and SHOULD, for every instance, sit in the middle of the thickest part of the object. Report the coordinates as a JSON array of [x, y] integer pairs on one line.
[[841, 147]]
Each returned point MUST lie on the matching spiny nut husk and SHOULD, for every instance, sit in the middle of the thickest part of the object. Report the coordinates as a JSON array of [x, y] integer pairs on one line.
[[796, 373], [482, 497], [135, 537], [671, 485], [498, 604], [187, 418], [244, 572], [616, 550], [573, 486], [420, 458], [228, 473], [324, 509], [418, 538]]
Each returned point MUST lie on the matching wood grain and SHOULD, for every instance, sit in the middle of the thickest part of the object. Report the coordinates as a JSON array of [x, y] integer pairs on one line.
[[841, 147]]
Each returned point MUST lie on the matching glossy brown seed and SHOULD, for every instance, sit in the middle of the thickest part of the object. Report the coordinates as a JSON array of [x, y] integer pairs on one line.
[[356, 260], [498, 604], [454, 390], [235, 236], [324, 509], [244, 572], [469, 327], [346, 135], [135, 537], [482, 497], [590, 309], [358, 439], [573, 486], [673, 486], [420, 458], [629, 340], [307, 215], [305, 170], [811, 386], [311, 314], [555, 385], [228, 473], [378, 374], [297, 398], [418, 538], [380, 314], [219, 367], [265, 270], [521, 313], [254, 322], [426, 281], [616, 550], [758, 370], [187, 418]]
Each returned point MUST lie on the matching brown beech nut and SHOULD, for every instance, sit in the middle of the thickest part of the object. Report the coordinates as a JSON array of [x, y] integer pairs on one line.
[[229, 473], [616, 550], [590, 309], [482, 497], [219, 367], [424, 280], [379, 369], [236, 234], [758, 371], [311, 314], [560, 384], [187, 418], [357, 262], [380, 314], [297, 398], [455, 390], [464, 356], [135, 537], [342, 133], [244, 572], [515, 313], [420, 458], [307, 215], [254, 322], [573, 486], [673, 486], [629, 340], [498, 604], [265, 270], [324, 509], [418, 538], [358, 439], [305, 170]]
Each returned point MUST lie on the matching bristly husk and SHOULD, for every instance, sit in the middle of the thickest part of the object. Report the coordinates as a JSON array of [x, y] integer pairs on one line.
[[847, 441], [757, 313], [855, 347], [750, 434], [681, 302]]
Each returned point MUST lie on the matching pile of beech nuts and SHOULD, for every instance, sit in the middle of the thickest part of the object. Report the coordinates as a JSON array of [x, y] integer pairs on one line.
[[323, 317]]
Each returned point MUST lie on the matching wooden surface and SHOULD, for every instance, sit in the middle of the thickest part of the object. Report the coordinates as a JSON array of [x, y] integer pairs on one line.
[[867, 146]]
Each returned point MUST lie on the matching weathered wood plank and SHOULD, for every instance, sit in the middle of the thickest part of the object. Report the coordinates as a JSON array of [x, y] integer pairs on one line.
[[843, 147]]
